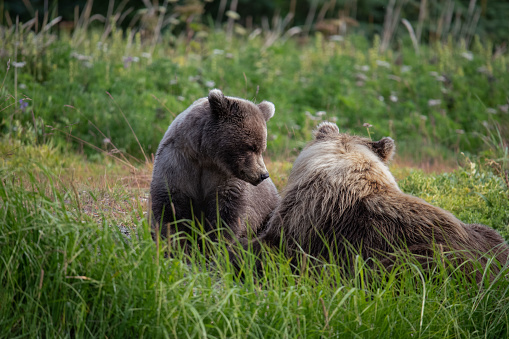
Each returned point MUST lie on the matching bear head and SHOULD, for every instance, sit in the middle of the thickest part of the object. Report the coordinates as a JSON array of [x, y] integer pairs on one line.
[[237, 135], [347, 161]]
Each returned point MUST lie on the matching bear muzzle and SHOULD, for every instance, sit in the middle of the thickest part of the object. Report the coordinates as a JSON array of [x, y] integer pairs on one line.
[[256, 180]]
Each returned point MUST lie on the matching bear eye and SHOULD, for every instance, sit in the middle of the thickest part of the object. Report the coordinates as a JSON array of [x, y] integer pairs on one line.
[[252, 148]]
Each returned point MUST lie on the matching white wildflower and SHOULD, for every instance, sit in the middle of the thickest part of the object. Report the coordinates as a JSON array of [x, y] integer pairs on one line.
[[406, 69], [19, 64], [337, 38], [468, 55], [434, 102], [361, 76], [363, 68], [382, 63]]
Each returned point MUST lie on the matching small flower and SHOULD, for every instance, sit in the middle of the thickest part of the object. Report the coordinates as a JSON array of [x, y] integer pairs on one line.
[[233, 15], [22, 86], [393, 98], [193, 78], [460, 131], [146, 55], [363, 68], [434, 102], [181, 98], [127, 61], [433, 74], [381, 98], [106, 141], [468, 55], [440, 78], [210, 84], [218, 52], [367, 125], [310, 116], [23, 105], [80, 57], [423, 117], [490, 110], [483, 70], [406, 69], [337, 38], [173, 81], [382, 63], [361, 77], [19, 64], [504, 108], [320, 113]]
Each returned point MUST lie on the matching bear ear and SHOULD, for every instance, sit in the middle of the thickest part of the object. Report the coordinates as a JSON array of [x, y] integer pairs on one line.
[[384, 148], [267, 109], [325, 129], [220, 105]]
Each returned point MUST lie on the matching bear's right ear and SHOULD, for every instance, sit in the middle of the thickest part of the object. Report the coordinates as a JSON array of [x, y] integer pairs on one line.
[[220, 105], [384, 148], [325, 129], [267, 109]]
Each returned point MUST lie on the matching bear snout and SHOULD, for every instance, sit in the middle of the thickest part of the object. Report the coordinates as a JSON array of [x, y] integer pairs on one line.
[[255, 181]]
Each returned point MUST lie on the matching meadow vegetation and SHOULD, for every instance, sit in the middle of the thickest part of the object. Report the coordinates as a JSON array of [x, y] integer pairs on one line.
[[82, 112]]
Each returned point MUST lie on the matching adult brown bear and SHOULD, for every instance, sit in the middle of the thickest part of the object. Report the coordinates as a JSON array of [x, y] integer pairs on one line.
[[209, 164], [342, 199]]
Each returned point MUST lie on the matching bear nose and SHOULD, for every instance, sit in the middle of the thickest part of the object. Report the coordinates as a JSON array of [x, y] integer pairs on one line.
[[264, 176]]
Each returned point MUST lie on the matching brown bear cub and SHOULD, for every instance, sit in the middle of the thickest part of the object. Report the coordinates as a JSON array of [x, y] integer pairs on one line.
[[341, 196], [209, 164]]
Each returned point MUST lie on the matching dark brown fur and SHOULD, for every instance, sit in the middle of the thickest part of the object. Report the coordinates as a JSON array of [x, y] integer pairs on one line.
[[209, 162], [341, 191]]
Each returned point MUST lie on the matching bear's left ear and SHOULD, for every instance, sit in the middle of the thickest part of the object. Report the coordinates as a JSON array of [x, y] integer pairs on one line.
[[384, 148], [267, 109], [220, 105], [324, 129]]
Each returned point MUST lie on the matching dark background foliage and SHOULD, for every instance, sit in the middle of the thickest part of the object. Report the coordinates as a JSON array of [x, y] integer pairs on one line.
[[368, 14]]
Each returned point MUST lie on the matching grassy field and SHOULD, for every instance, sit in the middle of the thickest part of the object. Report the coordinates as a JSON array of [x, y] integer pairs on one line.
[[82, 114], [78, 261]]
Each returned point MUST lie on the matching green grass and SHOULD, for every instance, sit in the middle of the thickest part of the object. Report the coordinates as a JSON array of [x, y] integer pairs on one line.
[[66, 273], [67, 85], [68, 196]]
